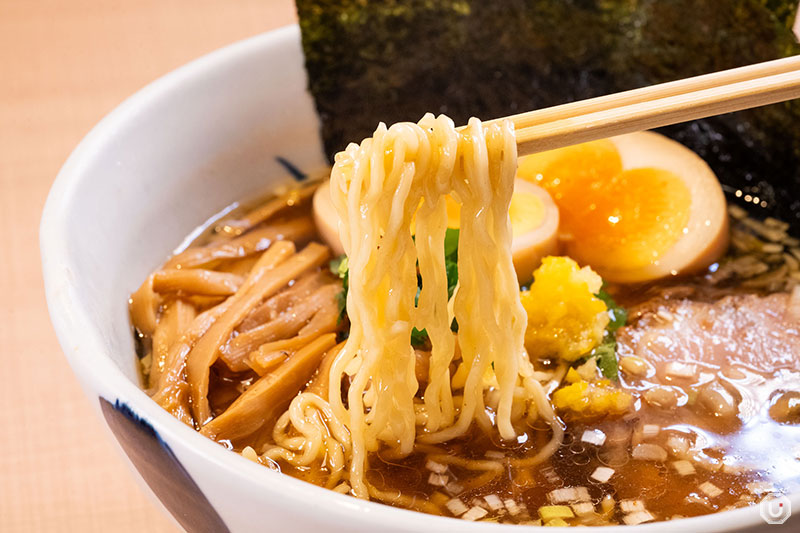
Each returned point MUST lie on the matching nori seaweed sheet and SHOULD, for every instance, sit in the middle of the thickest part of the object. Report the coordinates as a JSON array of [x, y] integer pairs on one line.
[[393, 60]]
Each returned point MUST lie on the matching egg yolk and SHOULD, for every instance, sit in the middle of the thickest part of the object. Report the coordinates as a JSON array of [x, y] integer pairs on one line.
[[526, 212], [569, 174], [609, 217]]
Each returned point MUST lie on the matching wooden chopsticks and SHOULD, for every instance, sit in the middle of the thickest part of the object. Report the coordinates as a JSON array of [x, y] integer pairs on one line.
[[658, 105]]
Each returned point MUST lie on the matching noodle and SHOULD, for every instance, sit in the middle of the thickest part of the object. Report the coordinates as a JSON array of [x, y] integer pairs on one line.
[[545, 411], [379, 187]]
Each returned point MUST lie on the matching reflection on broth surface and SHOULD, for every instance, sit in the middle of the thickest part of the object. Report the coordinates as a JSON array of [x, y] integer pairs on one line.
[[675, 398], [705, 435]]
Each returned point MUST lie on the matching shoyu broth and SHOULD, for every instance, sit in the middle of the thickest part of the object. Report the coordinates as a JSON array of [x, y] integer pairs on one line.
[[711, 362]]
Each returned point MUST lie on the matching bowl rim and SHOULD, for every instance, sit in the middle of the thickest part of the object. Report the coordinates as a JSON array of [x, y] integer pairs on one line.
[[81, 339]]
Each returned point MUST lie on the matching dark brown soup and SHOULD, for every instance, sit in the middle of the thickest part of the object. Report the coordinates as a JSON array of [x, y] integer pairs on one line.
[[704, 416]]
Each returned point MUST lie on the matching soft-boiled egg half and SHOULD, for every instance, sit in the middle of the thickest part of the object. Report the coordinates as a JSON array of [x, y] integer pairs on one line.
[[636, 207], [534, 224]]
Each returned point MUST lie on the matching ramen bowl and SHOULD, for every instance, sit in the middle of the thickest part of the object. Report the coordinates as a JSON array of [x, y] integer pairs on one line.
[[232, 124]]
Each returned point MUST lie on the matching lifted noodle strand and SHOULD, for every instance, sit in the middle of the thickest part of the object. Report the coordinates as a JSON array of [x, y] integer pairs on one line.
[[381, 187]]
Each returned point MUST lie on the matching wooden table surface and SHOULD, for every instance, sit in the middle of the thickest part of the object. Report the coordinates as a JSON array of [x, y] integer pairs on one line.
[[64, 64]]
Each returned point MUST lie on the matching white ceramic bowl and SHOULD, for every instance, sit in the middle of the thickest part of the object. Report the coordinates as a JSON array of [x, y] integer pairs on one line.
[[179, 150]]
